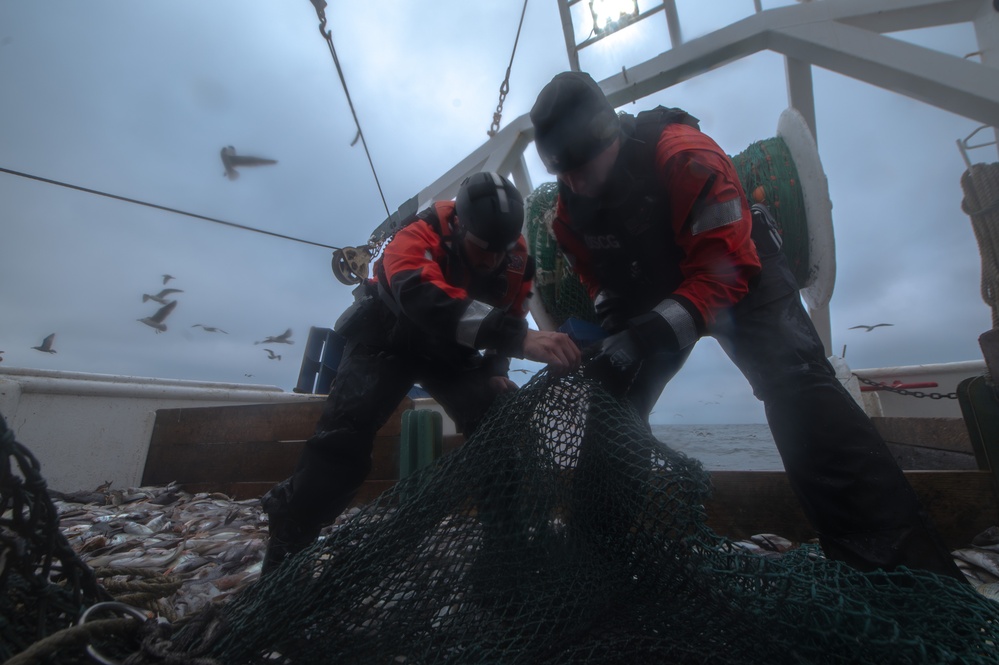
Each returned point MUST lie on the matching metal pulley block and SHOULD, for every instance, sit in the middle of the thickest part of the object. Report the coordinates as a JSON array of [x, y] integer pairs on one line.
[[350, 264]]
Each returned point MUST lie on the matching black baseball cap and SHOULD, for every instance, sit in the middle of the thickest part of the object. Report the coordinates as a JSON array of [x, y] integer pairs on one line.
[[573, 121]]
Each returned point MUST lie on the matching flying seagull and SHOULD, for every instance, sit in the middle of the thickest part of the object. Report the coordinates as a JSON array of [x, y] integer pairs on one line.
[[46, 344], [272, 355], [167, 278], [280, 339], [156, 320], [870, 328], [161, 296], [209, 328], [230, 160]]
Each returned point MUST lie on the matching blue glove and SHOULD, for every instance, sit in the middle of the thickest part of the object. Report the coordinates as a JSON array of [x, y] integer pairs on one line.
[[616, 362]]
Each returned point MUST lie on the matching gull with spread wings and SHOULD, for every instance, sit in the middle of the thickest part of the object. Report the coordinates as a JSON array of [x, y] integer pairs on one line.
[[208, 328], [870, 328], [156, 320], [46, 344], [230, 160], [161, 296], [283, 338]]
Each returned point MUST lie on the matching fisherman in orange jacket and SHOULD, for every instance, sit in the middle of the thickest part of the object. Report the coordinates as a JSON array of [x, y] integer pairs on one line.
[[451, 283], [654, 220]]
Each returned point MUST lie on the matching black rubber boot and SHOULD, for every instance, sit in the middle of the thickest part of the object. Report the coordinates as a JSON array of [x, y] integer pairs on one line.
[[286, 537]]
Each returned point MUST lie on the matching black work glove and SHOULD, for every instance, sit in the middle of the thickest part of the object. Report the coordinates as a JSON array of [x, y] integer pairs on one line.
[[615, 362], [609, 308]]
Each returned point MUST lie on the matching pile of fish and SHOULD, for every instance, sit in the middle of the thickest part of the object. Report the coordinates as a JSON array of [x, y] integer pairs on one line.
[[980, 562], [208, 544]]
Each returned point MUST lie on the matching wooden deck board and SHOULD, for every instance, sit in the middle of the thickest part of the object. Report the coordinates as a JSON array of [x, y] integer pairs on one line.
[[243, 451], [257, 443], [961, 504]]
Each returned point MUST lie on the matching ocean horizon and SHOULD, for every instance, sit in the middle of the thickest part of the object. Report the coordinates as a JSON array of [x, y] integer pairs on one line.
[[725, 447]]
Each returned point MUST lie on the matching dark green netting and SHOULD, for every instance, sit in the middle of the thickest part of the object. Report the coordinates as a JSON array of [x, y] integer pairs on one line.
[[563, 532], [769, 175], [43, 583], [558, 287]]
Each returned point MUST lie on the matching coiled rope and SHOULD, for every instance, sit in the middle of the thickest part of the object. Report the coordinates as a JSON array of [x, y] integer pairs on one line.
[[981, 202]]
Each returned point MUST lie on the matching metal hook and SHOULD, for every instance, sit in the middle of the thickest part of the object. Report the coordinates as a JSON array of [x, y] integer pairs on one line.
[[110, 606], [963, 144]]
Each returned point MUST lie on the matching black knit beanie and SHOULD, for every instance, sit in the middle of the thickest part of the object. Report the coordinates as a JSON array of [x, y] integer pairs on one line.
[[573, 121]]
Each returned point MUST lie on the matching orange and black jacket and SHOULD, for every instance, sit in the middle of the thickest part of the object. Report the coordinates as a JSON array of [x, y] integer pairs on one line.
[[670, 237], [424, 281]]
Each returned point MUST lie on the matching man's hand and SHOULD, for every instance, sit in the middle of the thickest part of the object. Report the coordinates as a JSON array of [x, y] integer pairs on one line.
[[616, 362], [502, 384], [555, 349]]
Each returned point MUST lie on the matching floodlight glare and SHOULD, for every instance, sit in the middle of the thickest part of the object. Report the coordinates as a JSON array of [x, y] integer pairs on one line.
[[611, 15]]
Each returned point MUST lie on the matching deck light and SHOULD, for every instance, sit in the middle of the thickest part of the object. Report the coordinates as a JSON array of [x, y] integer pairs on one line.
[[611, 15]]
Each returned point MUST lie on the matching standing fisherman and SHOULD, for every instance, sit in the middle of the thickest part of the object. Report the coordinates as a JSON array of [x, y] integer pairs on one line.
[[654, 220], [451, 283]]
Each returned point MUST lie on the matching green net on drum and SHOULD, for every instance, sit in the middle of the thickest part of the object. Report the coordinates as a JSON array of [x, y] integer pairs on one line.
[[769, 176], [558, 287], [563, 532]]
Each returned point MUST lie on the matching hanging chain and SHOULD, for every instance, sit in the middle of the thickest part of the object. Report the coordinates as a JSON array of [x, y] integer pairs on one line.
[[903, 391], [320, 6], [505, 86]]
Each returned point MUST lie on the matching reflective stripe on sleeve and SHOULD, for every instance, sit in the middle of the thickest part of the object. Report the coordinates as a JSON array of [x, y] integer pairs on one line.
[[470, 322], [716, 215], [680, 320]]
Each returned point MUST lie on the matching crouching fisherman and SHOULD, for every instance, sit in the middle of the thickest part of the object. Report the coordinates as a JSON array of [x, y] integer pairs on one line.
[[451, 283]]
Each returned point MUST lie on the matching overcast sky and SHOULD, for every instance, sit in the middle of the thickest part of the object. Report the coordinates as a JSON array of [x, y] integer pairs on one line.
[[137, 99]]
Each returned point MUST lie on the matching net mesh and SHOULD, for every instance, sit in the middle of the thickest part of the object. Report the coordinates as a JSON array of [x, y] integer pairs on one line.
[[563, 532], [43, 583]]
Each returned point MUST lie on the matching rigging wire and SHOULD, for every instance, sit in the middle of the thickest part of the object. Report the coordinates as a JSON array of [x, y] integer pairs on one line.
[[505, 86], [165, 208], [320, 6]]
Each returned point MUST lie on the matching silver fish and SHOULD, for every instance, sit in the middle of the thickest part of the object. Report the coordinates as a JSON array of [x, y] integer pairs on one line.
[[984, 559]]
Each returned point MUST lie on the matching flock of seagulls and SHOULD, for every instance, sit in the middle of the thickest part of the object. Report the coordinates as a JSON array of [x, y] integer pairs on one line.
[[157, 320]]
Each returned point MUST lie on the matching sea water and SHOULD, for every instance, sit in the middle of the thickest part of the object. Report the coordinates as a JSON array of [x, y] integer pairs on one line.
[[724, 447]]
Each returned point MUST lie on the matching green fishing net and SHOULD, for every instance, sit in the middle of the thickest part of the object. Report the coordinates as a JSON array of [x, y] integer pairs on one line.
[[769, 176], [563, 532], [560, 532], [43, 584], [561, 293]]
